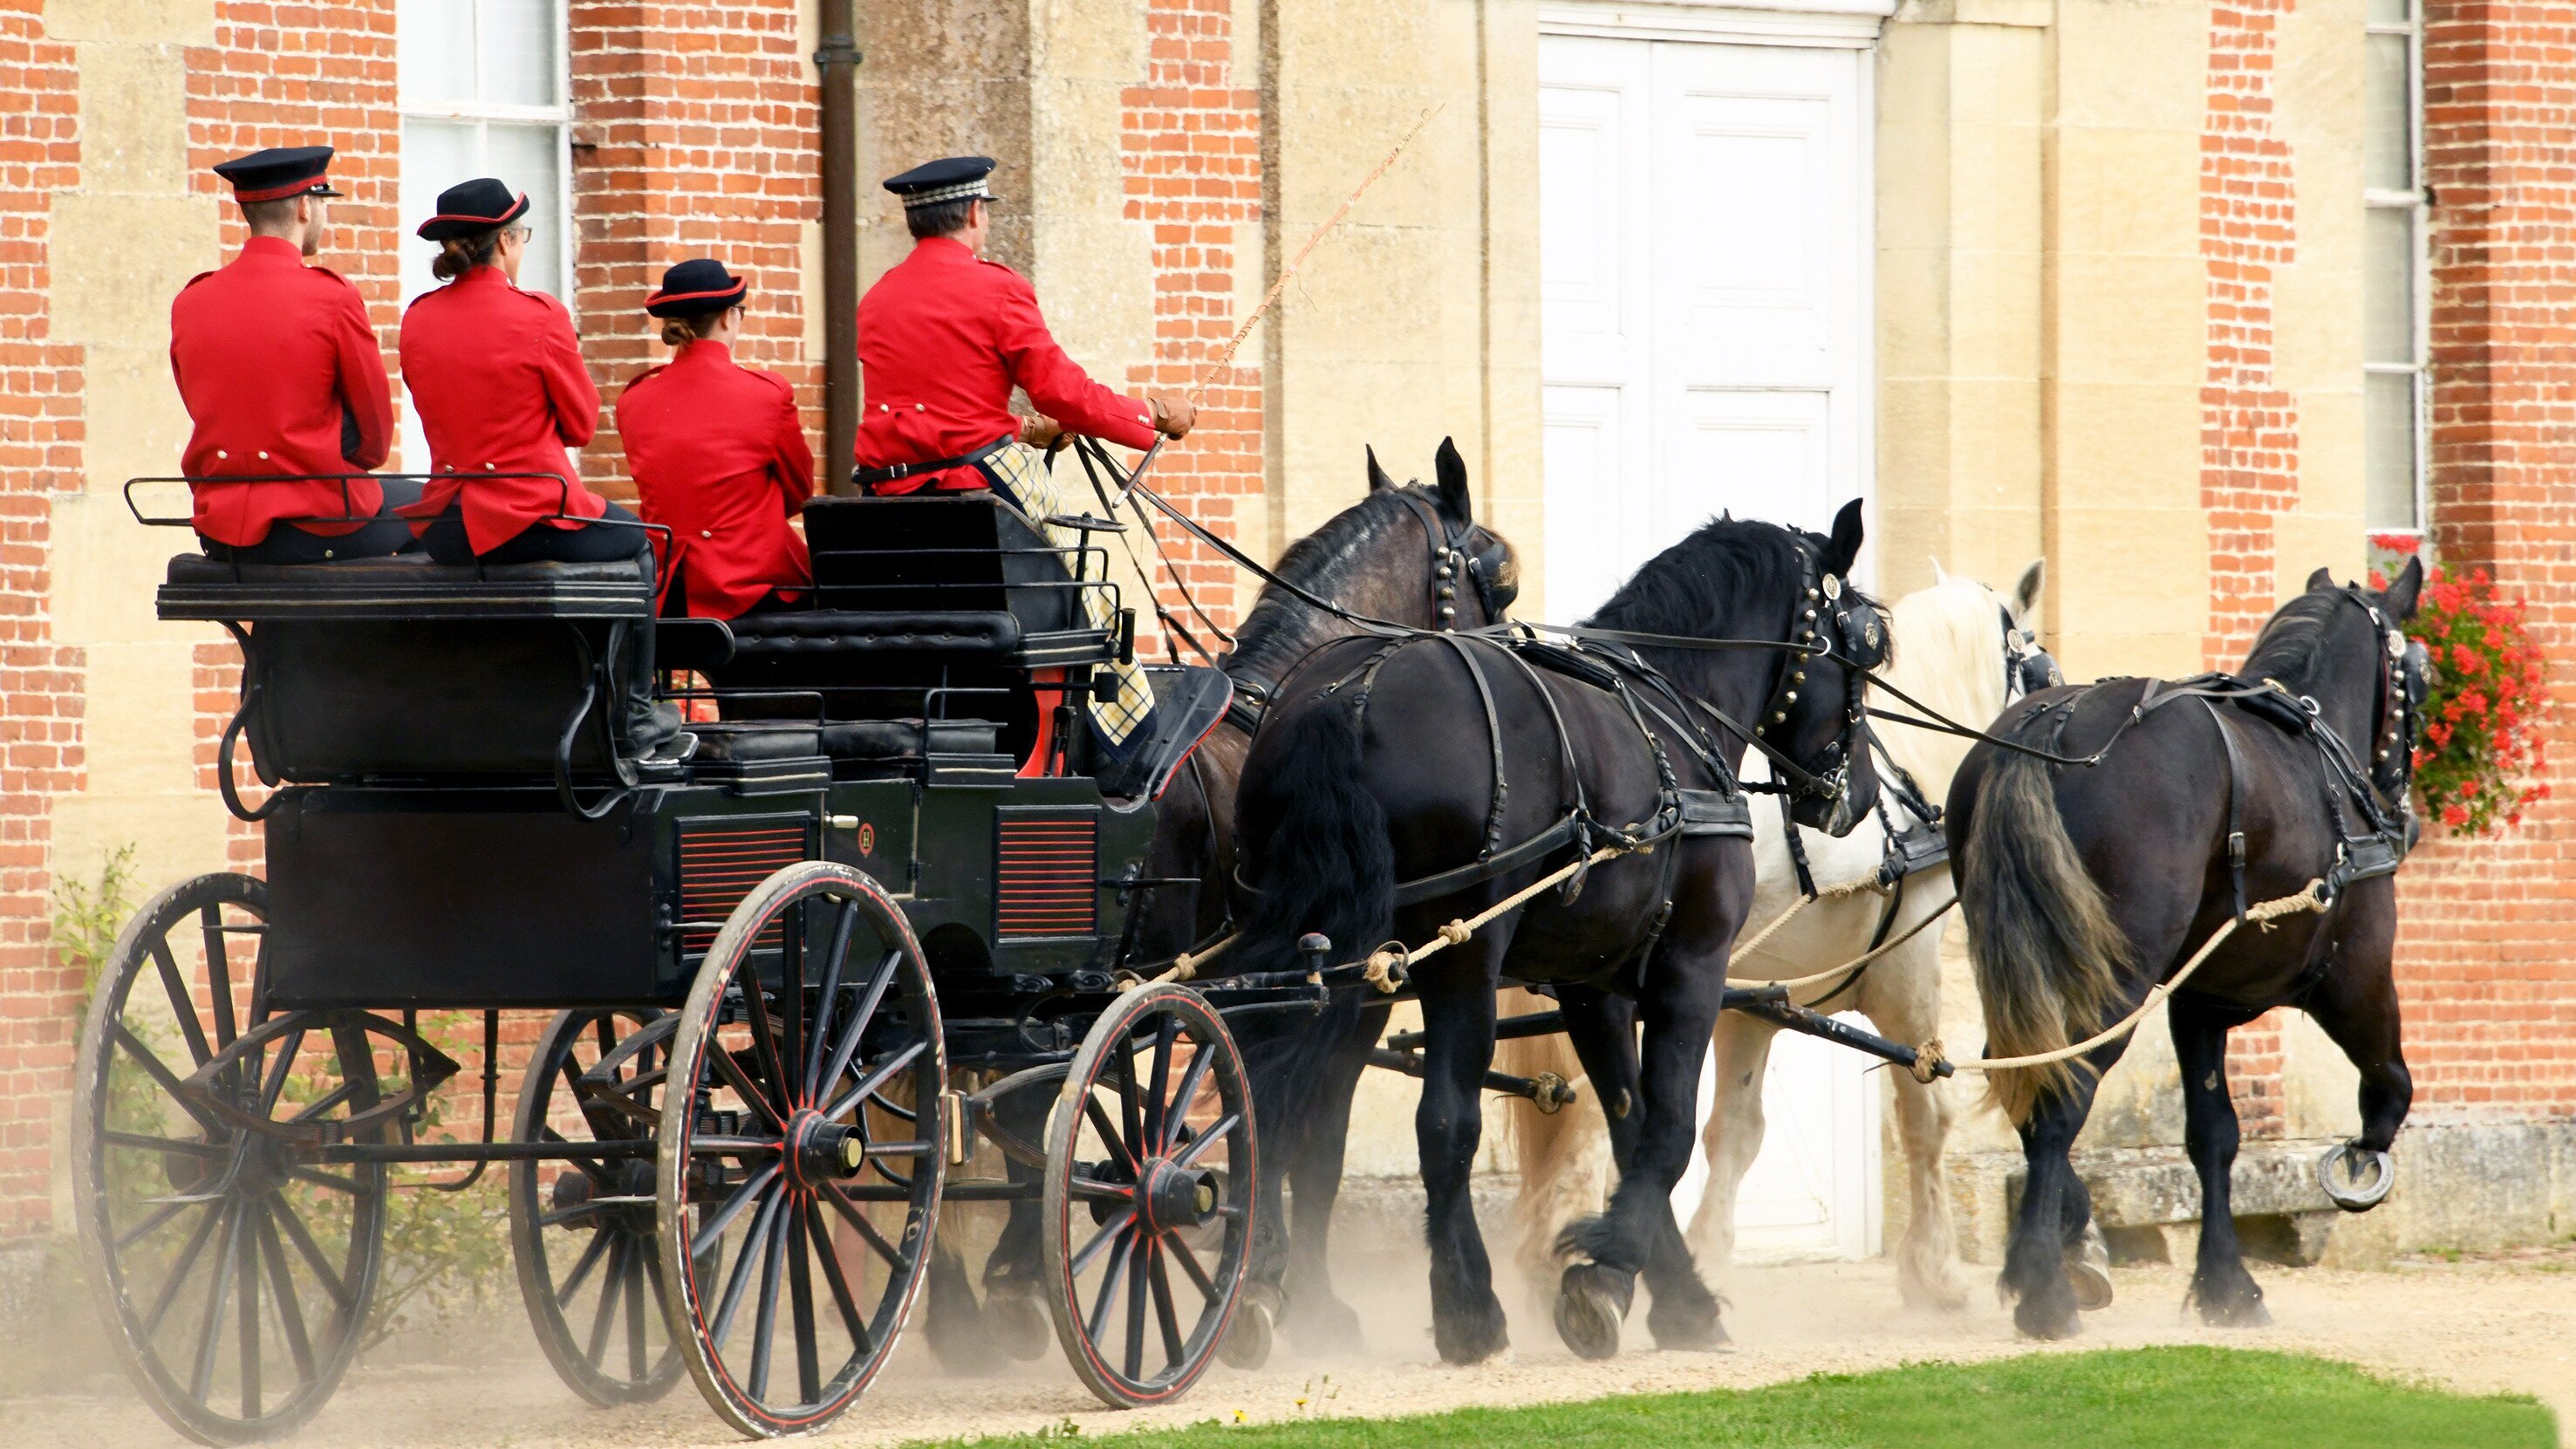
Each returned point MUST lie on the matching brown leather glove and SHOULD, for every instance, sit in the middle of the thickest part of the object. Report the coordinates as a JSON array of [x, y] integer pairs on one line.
[[1173, 414], [1040, 431]]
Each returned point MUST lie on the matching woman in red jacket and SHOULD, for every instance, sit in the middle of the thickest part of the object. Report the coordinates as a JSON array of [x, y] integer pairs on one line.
[[718, 454], [498, 378]]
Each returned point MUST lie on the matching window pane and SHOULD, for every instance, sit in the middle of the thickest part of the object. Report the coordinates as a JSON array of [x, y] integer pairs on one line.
[[435, 155], [2391, 12], [2388, 140], [518, 50], [526, 158], [2388, 285], [2388, 417], [434, 52]]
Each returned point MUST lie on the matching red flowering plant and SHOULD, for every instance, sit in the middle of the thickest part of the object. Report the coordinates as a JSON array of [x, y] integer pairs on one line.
[[2482, 754]]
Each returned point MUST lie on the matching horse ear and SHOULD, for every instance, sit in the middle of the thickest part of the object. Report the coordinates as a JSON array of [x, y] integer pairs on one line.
[[2402, 596], [1453, 483], [1845, 545], [1940, 575], [2321, 579], [1378, 481], [2025, 595]]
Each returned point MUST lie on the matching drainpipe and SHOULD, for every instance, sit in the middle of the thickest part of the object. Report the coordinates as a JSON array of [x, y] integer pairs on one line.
[[838, 60]]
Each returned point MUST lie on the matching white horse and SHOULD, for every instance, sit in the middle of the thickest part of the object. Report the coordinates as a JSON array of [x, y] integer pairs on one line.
[[1954, 645]]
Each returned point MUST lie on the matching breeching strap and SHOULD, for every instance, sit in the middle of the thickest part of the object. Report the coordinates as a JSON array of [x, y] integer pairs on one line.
[[2313, 898]]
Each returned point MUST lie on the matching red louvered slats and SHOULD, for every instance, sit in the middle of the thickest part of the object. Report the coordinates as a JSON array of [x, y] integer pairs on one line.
[[721, 863], [1047, 874]]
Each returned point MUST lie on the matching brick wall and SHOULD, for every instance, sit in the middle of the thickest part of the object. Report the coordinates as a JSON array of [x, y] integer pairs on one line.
[[2487, 934], [40, 682], [1190, 147], [2249, 424], [695, 134]]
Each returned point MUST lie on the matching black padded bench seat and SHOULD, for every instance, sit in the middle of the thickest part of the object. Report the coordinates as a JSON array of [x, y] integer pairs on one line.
[[864, 739], [407, 586], [985, 634]]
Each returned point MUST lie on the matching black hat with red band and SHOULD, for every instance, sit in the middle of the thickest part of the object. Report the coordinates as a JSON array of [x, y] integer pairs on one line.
[[695, 287], [278, 173], [471, 206]]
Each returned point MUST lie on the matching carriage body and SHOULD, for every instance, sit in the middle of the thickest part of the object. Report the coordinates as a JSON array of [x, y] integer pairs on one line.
[[884, 912]]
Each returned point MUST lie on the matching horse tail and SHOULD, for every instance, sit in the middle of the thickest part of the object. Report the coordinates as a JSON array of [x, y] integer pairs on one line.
[[1324, 864], [2049, 958]]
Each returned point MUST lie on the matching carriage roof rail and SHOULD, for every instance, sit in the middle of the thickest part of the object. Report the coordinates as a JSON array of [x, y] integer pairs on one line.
[[563, 504]]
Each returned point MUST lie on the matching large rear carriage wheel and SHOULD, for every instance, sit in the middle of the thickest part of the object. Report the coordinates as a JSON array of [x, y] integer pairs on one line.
[[1149, 1188], [233, 1266], [590, 1268], [802, 1149]]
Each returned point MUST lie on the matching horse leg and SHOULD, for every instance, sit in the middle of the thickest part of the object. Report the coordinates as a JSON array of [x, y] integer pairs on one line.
[[2227, 1295], [1732, 1138], [1564, 1156], [1315, 1183], [2054, 1210], [1015, 1311], [1901, 996], [2356, 1003], [1467, 1323], [1592, 1298]]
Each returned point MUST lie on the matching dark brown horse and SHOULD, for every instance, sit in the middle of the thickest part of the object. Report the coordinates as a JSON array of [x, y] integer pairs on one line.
[[2085, 884]]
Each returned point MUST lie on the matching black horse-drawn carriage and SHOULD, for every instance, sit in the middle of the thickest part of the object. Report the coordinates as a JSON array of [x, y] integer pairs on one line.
[[887, 873]]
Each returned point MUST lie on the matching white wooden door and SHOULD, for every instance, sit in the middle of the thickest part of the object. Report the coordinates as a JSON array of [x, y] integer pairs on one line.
[[1704, 293]]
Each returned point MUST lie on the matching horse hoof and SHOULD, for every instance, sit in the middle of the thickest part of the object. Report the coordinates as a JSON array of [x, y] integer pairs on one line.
[[1694, 1328], [2239, 1307], [1325, 1324], [2046, 1327], [1249, 1338], [1017, 1321], [1590, 1304], [2088, 1270]]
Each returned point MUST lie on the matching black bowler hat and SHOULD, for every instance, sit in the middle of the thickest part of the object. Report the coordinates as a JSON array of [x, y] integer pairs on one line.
[[694, 287], [278, 173], [471, 206], [957, 178]]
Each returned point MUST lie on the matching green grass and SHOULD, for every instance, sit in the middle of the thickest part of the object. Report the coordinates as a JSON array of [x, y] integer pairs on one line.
[[2154, 1398]]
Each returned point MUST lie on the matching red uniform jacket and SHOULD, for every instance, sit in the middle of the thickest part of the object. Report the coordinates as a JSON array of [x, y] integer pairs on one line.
[[943, 337], [281, 374], [719, 455], [498, 378]]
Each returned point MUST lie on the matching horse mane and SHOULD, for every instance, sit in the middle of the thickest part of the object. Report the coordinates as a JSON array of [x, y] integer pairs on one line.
[[1952, 660], [2296, 646], [1279, 626], [1726, 580]]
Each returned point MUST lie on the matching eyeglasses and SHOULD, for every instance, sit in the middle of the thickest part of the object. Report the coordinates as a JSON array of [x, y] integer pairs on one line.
[[522, 232]]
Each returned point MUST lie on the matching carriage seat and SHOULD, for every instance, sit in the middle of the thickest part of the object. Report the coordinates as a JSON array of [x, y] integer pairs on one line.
[[867, 749], [406, 586], [821, 633]]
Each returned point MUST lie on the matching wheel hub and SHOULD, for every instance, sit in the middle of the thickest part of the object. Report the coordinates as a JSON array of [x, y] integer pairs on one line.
[[819, 1150], [1172, 1196]]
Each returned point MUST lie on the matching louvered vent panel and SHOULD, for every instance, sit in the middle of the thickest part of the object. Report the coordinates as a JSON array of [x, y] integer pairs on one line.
[[720, 863], [1047, 873]]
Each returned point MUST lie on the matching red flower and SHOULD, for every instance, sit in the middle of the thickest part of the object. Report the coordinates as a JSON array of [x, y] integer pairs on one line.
[[2454, 816]]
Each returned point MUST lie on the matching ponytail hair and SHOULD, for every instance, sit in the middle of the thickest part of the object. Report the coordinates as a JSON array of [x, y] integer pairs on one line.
[[461, 254], [681, 331]]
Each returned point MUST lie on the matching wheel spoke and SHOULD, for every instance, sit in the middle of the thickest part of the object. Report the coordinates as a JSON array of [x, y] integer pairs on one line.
[[302, 1237], [742, 1084], [1109, 1281], [327, 1101], [765, 1318], [1108, 1130], [764, 1039], [210, 1330], [1136, 1261], [875, 1080], [1131, 1105], [791, 1006], [216, 1213], [175, 987], [202, 1151], [800, 1302], [1177, 1118], [858, 1220], [331, 1181], [857, 1031], [1175, 1347], [1189, 1261], [219, 971], [162, 1214], [820, 1233], [638, 1252], [612, 1286], [1109, 1231], [1197, 1147], [589, 1259], [144, 1057], [290, 1311], [712, 1231], [594, 1170], [845, 917], [279, 1070], [246, 1272], [755, 1244], [1160, 1078]]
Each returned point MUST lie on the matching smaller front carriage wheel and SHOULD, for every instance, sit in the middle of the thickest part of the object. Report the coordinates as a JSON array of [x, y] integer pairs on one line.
[[581, 1232], [1149, 1188], [234, 1262], [802, 1149]]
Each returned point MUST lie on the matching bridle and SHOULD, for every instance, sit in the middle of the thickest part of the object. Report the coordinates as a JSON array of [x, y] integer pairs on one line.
[[2028, 669], [2405, 678], [1451, 559], [1822, 628]]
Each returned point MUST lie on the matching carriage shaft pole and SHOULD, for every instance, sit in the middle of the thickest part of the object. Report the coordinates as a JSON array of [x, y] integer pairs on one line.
[[484, 1151]]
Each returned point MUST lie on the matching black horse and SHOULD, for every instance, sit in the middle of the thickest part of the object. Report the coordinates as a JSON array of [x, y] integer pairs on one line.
[[1405, 554], [2084, 885], [1386, 761]]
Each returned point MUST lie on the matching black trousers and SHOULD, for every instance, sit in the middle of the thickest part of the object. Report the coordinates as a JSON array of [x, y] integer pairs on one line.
[[647, 724], [380, 537]]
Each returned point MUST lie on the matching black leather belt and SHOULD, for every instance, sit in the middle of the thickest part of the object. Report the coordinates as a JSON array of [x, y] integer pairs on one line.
[[866, 477]]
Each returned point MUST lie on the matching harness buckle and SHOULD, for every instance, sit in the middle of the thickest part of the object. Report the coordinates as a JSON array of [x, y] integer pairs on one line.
[[2236, 850]]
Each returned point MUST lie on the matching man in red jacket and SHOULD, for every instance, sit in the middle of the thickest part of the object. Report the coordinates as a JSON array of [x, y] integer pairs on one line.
[[281, 375], [944, 336]]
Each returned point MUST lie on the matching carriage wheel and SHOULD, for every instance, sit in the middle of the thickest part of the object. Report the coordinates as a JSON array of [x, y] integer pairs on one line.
[[1149, 1188], [235, 1269], [590, 1269], [798, 1196]]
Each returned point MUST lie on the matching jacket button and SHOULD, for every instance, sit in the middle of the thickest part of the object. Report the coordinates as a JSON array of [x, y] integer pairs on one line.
[[487, 467], [220, 453], [706, 533], [881, 407], [916, 407], [263, 452], [447, 468]]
